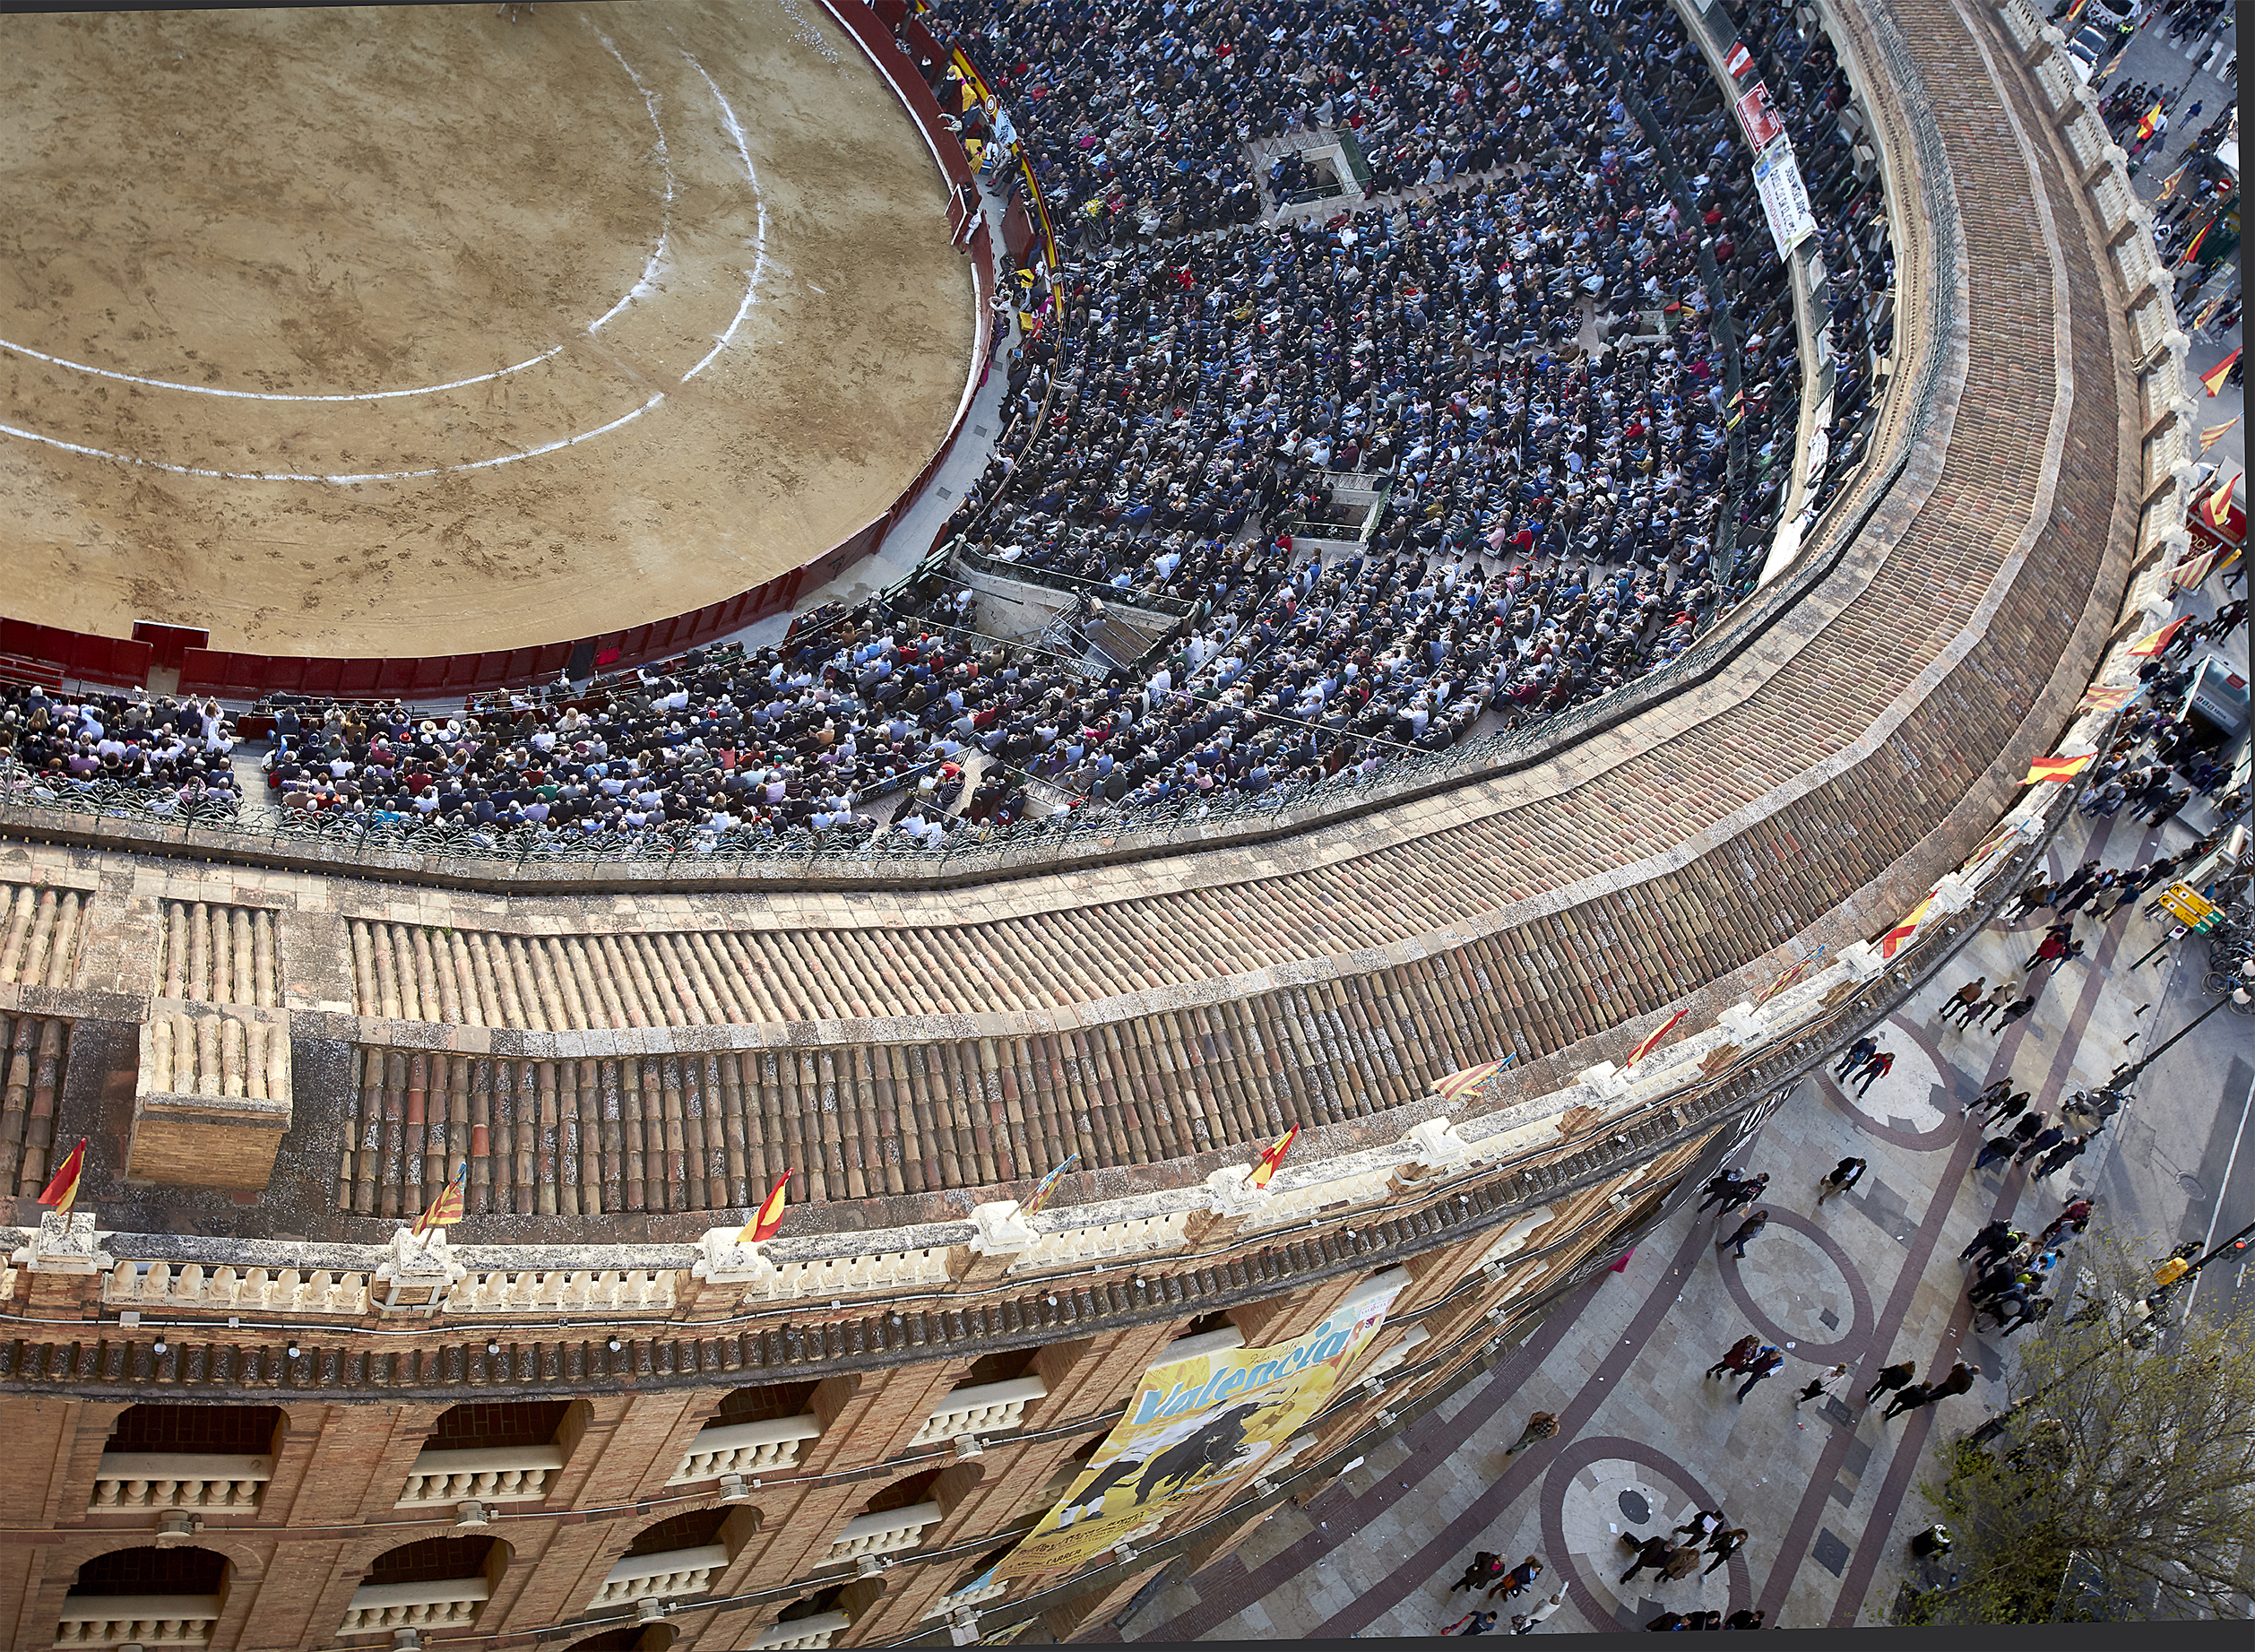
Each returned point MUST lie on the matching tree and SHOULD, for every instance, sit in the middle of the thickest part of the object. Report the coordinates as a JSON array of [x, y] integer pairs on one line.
[[2123, 1485]]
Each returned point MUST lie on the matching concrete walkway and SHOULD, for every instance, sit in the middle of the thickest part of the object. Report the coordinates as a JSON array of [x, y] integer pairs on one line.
[[1872, 1278]]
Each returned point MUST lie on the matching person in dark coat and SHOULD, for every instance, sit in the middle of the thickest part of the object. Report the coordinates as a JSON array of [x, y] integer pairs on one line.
[[1893, 1377], [1747, 1230]]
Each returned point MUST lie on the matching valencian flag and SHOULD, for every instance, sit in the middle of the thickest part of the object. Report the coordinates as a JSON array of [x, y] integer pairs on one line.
[[2108, 699], [62, 1192], [1459, 1085], [1270, 1160], [769, 1216], [2214, 377], [1787, 977], [1653, 1038], [1045, 1187], [2214, 434], [2061, 769], [2193, 573], [2145, 647], [2217, 507], [446, 1209], [1892, 942]]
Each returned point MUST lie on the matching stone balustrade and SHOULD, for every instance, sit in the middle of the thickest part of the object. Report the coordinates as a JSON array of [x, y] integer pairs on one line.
[[851, 1275], [665, 1576], [890, 1532], [225, 1290], [1102, 1241], [809, 1632], [611, 1290], [126, 1480], [1410, 1339], [745, 1448], [452, 1603], [492, 1474], [1299, 1202], [970, 1597], [145, 1620], [991, 1408]]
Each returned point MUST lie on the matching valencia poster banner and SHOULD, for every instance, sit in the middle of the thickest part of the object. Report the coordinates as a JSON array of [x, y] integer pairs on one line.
[[1193, 1425]]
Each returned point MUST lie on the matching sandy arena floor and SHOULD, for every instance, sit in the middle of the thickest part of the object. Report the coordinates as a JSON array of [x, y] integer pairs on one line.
[[410, 331]]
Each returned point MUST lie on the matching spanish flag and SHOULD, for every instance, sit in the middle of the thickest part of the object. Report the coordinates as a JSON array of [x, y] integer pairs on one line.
[[1045, 1187], [769, 1216], [2214, 377], [2151, 119], [2188, 255], [2145, 647], [1653, 1038], [2061, 769], [2108, 699], [1458, 1084], [1892, 942], [62, 1192], [1260, 1173], [446, 1209]]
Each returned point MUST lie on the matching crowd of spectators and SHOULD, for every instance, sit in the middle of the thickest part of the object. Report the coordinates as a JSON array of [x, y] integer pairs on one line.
[[172, 756], [1520, 353]]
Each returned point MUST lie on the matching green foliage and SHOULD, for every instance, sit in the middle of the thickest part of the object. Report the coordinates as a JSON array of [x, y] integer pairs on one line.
[[2124, 1488]]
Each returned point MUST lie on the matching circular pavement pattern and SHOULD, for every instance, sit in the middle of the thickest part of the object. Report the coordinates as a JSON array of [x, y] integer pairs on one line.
[[1583, 1497], [1794, 1274]]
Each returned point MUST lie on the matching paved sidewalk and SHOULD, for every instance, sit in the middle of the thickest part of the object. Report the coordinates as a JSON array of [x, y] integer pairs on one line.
[[1872, 1278]]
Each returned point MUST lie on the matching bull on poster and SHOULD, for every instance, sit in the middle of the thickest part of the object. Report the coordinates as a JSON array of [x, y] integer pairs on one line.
[[1193, 1425]]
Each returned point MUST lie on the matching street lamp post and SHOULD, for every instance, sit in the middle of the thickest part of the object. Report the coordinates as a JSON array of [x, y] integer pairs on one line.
[[2125, 1076]]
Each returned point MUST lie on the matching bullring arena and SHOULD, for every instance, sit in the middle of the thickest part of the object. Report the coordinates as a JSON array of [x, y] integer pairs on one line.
[[410, 331], [707, 1157]]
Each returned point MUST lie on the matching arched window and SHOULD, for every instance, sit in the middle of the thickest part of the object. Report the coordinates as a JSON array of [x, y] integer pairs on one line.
[[148, 1594], [757, 1431], [438, 1583], [216, 1458], [677, 1557], [809, 1622]]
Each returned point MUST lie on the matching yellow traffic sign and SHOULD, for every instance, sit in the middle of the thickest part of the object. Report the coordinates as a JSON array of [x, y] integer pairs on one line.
[[2186, 903]]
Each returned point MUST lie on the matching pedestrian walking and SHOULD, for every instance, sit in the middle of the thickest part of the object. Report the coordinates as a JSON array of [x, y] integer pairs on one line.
[[1993, 1094], [2061, 1157], [1718, 1188], [1766, 1362], [2067, 887], [1996, 1280], [1833, 1384], [2012, 1106], [1652, 1554], [1483, 1570], [2031, 1126], [1844, 1175], [1702, 1526], [2035, 893], [1541, 1425], [1518, 1579], [1681, 1565], [1723, 1545], [1524, 1622], [1962, 1001], [1471, 1623], [1995, 1148], [2074, 1218], [2005, 1305], [1875, 1069], [2040, 1143], [1740, 1351], [2053, 946], [1892, 1378], [2013, 1011], [1744, 1194], [1856, 1054], [1960, 1379], [1670, 1621], [1745, 1619], [1993, 1005], [1747, 1230], [1989, 1240], [1909, 1397], [2033, 1310]]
